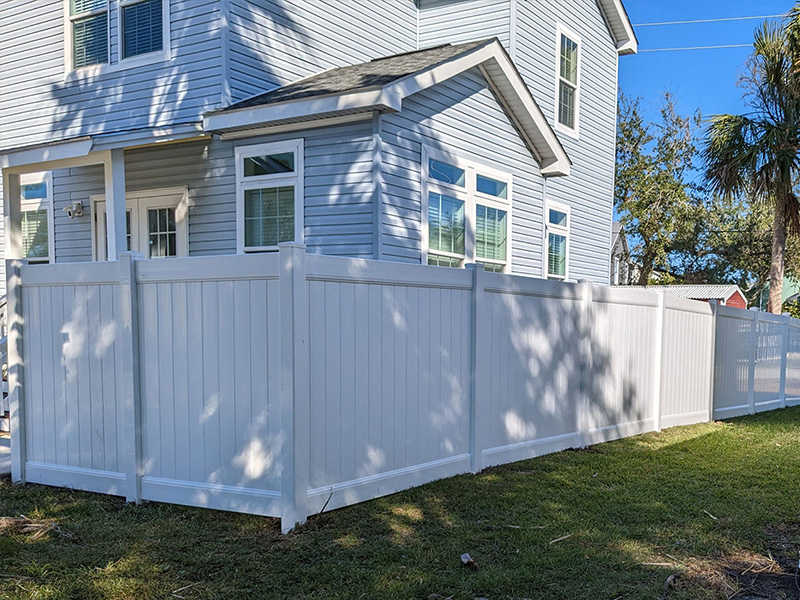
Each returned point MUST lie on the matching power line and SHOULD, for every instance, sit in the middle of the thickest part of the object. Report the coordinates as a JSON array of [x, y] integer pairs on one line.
[[695, 48], [720, 20]]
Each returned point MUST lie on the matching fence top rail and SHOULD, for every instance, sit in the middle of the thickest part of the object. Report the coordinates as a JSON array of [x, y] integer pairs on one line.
[[625, 297], [729, 312], [350, 270], [70, 274], [499, 283], [766, 317], [209, 268], [687, 305]]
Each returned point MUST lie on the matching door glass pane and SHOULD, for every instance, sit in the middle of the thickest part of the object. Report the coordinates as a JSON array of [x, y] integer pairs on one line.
[[268, 216], [34, 234], [128, 236], [161, 232]]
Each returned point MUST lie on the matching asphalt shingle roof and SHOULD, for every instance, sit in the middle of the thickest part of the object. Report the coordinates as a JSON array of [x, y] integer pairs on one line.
[[374, 74]]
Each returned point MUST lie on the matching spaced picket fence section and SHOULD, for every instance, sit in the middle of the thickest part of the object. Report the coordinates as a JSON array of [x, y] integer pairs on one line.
[[284, 384]]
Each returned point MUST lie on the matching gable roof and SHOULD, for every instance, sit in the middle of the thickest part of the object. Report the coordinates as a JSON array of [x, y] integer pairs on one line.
[[620, 26], [382, 85], [693, 292]]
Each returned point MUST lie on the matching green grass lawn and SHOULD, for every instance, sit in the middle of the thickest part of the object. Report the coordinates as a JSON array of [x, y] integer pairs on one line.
[[717, 506]]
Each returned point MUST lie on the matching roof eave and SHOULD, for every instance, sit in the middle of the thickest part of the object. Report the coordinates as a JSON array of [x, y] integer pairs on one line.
[[620, 26]]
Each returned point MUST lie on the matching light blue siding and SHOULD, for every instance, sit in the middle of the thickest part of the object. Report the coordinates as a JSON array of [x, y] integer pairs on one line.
[[460, 116], [531, 40], [274, 42], [337, 182], [39, 104]]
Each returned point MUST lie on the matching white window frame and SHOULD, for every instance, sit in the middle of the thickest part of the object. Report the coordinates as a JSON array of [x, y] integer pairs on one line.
[[139, 203], [558, 230], [560, 127], [115, 63], [41, 204], [472, 198], [269, 181]]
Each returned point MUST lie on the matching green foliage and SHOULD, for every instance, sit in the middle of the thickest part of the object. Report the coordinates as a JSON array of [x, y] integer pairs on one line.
[[793, 308]]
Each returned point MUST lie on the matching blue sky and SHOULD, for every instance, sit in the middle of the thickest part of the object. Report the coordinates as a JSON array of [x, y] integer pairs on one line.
[[704, 79]]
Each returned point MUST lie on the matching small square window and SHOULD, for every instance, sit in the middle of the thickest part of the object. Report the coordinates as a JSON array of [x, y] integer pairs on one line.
[[558, 217], [446, 173], [272, 164], [268, 216]]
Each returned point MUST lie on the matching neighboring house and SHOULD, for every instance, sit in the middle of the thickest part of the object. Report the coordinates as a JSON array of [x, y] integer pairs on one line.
[[622, 269], [224, 127], [727, 295]]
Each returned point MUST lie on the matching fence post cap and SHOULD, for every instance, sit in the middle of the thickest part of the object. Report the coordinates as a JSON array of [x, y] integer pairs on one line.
[[472, 266], [289, 245]]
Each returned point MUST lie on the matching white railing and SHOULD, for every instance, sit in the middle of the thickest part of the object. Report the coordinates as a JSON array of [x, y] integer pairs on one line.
[[286, 383]]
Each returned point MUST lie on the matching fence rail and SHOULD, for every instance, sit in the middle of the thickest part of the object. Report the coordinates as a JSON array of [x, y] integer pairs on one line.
[[280, 384]]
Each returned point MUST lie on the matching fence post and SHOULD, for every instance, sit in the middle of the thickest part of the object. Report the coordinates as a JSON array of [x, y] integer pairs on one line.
[[658, 358], [16, 368], [587, 365], [479, 381], [751, 366], [784, 356], [714, 310], [131, 382], [295, 394]]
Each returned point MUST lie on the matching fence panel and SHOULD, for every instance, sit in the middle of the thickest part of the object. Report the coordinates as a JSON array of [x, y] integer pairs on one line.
[[767, 389], [733, 354], [793, 364], [687, 362], [532, 362], [390, 377], [210, 361], [75, 427], [621, 386]]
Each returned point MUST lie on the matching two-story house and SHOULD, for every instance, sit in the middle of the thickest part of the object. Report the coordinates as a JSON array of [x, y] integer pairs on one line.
[[439, 131]]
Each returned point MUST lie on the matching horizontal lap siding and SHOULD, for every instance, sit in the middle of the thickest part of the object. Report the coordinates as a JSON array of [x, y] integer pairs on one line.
[[463, 117], [278, 41], [210, 382], [454, 22], [73, 343], [533, 362], [389, 378], [38, 105], [589, 188], [687, 360], [338, 191]]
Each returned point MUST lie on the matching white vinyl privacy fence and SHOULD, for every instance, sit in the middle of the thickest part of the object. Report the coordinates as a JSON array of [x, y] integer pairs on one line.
[[279, 384]]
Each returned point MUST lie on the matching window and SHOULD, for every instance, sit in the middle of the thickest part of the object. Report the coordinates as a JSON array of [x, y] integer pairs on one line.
[[269, 194], [468, 213], [557, 239], [567, 80], [142, 29], [36, 218], [89, 32]]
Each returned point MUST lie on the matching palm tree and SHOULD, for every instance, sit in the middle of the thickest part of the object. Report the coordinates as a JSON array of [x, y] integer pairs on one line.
[[758, 154]]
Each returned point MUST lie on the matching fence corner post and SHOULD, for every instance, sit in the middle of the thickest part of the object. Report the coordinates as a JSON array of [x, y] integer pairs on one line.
[[294, 386], [713, 373], [587, 364], [478, 389], [658, 359], [784, 356], [751, 370], [131, 388], [16, 367]]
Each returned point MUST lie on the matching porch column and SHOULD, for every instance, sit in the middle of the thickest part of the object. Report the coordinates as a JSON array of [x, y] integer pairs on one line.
[[13, 249], [115, 204]]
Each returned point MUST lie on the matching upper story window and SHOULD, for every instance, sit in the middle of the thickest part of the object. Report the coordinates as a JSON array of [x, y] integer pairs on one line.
[[468, 213], [36, 222], [568, 81], [108, 34], [142, 27], [89, 24], [557, 238], [269, 195]]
